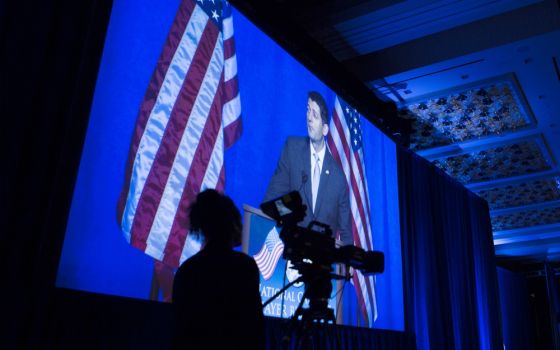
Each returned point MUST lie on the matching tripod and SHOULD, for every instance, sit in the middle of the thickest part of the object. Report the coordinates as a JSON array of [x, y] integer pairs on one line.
[[307, 323]]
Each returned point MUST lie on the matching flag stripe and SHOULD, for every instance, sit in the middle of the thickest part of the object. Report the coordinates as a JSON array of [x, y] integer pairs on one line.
[[230, 67], [353, 203], [267, 260], [232, 132], [361, 300], [351, 178], [232, 110], [228, 27], [367, 291], [370, 284], [229, 48], [267, 257], [277, 252], [358, 158], [359, 199], [198, 168], [178, 149], [158, 180], [363, 290], [335, 145], [172, 43], [361, 223], [215, 165], [344, 141], [158, 121], [221, 185], [191, 247], [231, 89], [182, 167], [356, 192]]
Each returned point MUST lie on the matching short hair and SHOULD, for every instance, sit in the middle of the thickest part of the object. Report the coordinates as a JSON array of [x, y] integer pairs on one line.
[[317, 98], [214, 217]]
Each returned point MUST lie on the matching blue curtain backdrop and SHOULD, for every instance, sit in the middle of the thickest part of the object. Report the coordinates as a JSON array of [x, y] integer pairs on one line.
[[552, 284], [514, 303], [451, 288]]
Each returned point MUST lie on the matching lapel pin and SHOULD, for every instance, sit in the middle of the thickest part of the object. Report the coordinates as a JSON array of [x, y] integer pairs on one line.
[[327, 172]]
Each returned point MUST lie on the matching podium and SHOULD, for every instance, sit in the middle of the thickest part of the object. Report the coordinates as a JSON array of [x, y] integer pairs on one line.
[[260, 240]]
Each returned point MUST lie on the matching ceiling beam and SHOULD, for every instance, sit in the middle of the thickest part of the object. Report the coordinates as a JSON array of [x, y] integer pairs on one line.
[[329, 13], [522, 208], [484, 34]]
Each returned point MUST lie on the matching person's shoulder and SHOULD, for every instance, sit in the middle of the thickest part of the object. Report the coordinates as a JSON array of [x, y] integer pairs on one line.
[[296, 140], [296, 144], [191, 262], [243, 258], [336, 170]]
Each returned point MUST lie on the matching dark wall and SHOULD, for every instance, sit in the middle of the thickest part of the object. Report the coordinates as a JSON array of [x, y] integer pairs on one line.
[[50, 53], [83, 320], [539, 313]]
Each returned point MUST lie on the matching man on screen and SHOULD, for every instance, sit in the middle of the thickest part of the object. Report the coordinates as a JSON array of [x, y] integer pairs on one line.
[[307, 166]]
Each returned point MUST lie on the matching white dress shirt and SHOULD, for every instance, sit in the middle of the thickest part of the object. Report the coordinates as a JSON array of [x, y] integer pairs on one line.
[[316, 157]]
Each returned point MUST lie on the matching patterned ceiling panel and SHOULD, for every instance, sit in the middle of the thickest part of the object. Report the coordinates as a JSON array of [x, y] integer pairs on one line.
[[526, 218], [466, 114], [495, 163], [536, 191]]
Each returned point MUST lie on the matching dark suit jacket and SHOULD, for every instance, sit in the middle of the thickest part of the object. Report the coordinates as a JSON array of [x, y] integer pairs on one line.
[[293, 173]]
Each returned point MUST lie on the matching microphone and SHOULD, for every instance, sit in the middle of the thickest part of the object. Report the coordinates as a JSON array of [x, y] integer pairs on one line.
[[304, 179]]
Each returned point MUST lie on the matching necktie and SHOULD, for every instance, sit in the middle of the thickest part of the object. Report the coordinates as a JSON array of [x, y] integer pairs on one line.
[[316, 178]]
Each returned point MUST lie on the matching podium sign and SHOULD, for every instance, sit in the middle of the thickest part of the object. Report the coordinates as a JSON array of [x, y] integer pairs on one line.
[[262, 242]]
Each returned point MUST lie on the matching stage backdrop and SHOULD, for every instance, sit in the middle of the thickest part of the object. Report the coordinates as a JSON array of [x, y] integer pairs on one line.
[[273, 88]]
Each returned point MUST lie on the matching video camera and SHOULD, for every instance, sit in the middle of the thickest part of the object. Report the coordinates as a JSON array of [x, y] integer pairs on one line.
[[318, 246], [313, 251]]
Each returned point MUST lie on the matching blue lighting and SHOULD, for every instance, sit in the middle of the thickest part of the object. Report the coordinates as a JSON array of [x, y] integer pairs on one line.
[[273, 89]]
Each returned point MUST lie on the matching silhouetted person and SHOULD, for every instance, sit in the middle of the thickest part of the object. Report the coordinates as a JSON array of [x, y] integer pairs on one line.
[[216, 292]]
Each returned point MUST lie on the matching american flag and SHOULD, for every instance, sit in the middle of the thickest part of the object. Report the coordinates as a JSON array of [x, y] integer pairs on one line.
[[268, 256], [191, 112], [345, 144]]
